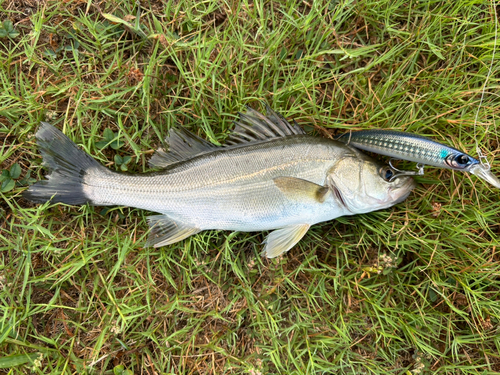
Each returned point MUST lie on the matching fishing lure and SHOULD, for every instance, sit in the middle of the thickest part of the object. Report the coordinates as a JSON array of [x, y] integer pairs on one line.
[[419, 149]]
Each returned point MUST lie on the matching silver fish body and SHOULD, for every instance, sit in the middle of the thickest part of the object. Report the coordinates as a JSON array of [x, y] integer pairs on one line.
[[273, 177], [230, 189]]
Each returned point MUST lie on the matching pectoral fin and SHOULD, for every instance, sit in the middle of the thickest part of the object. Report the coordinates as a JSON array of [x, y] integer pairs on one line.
[[282, 240], [165, 231], [300, 190]]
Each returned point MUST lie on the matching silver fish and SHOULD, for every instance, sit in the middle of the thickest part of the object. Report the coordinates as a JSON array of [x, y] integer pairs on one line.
[[269, 176], [419, 149]]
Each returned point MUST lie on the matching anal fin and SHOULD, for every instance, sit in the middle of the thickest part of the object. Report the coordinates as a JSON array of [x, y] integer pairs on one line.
[[282, 240], [165, 231]]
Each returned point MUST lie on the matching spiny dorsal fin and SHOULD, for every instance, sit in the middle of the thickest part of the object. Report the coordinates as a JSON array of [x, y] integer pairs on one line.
[[254, 126], [182, 145], [165, 231]]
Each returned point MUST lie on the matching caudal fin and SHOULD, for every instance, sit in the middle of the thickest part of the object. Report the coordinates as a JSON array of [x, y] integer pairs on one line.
[[67, 167]]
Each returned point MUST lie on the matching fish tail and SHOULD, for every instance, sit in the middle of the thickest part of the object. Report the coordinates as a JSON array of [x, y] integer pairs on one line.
[[67, 165]]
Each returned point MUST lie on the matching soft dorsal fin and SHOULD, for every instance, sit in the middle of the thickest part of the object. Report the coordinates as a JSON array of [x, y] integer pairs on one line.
[[182, 145], [254, 126]]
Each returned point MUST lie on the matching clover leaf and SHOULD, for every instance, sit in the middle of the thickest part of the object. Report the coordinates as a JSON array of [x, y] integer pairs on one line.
[[8, 177], [110, 139], [122, 162], [7, 30]]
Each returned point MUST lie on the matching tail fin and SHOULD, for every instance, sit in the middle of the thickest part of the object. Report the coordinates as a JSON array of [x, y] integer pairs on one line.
[[67, 166]]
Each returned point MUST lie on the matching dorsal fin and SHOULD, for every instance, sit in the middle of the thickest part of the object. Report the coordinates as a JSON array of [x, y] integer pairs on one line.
[[182, 145], [254, 126]]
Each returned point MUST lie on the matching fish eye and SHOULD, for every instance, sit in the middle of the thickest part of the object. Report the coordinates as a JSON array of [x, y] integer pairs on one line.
[[387, 174]]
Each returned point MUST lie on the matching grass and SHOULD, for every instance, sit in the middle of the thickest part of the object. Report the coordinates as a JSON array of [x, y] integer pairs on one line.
[[413, 289]]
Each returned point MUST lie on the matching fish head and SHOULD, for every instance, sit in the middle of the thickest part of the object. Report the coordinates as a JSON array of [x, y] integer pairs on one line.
[[363, 185]]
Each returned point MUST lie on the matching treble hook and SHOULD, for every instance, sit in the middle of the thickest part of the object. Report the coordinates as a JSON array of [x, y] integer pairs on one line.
[[400, 173]]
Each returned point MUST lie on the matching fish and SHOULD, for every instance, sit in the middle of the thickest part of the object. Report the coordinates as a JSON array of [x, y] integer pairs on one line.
[[419, 149], [269, 176]]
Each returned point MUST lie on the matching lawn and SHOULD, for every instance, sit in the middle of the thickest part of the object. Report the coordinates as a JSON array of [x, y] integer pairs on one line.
[[414, 289]]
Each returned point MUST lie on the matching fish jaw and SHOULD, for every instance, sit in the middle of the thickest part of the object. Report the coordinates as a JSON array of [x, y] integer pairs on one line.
[[400, 193]]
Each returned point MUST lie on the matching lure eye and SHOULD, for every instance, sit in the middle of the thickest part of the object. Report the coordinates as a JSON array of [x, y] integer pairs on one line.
[[459, 162], [462, 160], [387, 174]]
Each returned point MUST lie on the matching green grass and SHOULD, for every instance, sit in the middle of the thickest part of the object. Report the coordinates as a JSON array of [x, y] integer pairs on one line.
[[80, 294]]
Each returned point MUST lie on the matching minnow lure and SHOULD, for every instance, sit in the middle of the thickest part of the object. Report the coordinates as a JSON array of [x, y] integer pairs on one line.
[[419, 149]]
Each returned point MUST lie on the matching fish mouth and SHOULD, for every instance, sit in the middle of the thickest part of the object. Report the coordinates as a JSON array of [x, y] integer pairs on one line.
[[400, 193]]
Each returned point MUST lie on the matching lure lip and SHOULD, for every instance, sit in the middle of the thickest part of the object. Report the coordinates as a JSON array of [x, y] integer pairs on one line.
[[484, 173]]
